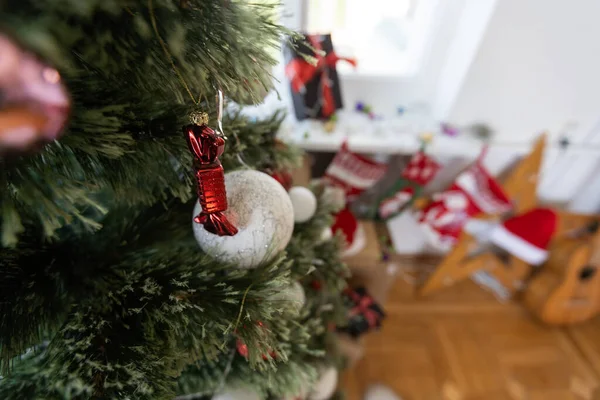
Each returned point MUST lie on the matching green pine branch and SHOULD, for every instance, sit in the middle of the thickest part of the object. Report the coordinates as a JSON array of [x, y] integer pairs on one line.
[[104, 292], [154, 303], [135, 71], [303, 341]]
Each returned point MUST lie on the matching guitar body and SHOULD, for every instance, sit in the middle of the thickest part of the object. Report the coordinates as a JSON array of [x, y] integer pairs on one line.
[[567, 289]]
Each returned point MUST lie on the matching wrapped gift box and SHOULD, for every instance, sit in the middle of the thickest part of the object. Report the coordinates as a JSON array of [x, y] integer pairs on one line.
[[315, 85]]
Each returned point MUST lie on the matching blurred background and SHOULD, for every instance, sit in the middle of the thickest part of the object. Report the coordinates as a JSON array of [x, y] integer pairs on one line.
[[520, 68], [500, 97]]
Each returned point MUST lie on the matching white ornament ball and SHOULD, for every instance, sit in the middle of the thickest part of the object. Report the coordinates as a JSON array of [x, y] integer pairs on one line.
[[293, 296], [326, 385], [261, 210], [237, 394], [326, 234], [304, 203]]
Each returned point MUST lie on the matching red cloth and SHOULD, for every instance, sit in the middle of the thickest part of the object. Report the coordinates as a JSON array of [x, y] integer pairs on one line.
[[421, 169], [300, 72], [353, 172], [393, 204], [474, 192]]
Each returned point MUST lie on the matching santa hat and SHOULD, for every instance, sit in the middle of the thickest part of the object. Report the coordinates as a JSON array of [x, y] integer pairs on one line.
[[346, 222], [527, 236]]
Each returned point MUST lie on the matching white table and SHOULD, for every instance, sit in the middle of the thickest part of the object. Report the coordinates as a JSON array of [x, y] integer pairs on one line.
[[400, 135]]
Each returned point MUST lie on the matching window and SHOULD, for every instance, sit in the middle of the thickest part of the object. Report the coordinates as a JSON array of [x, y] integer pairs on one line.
[[387, 37]]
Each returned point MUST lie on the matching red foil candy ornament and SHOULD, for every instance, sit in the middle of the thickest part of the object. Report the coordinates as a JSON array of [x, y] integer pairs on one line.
[[206, 147]]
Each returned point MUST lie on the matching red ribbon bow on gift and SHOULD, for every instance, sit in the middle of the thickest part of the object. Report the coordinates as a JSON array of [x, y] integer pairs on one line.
[[363, 304], [300, 72]]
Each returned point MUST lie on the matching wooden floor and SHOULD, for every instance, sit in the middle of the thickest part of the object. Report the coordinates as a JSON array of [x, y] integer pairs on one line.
[[462, 344]]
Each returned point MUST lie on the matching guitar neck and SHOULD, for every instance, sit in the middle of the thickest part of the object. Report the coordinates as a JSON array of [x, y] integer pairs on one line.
[[595, 256], [590, 231]]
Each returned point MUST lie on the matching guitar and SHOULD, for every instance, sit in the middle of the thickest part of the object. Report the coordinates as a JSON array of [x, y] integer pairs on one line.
[[567, 288]]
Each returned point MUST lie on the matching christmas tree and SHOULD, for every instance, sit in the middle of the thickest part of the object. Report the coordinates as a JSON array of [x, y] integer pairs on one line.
[[104, 291]]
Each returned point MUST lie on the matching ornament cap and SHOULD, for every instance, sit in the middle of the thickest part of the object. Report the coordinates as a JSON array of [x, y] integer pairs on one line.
[[199, 118]]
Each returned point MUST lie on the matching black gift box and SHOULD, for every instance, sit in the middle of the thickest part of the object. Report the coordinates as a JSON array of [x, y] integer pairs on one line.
[[308, 96], [364, 313]]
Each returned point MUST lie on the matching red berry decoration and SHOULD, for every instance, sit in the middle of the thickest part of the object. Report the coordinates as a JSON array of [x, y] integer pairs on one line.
[[317, 285], [283, 177], [272, 355], [242, 348]]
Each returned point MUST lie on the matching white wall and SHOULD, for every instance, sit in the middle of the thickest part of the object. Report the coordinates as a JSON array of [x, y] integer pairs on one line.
[[520, 66], [538, 68]]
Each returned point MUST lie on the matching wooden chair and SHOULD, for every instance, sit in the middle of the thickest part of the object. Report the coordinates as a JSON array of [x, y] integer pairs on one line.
[[511, 272]]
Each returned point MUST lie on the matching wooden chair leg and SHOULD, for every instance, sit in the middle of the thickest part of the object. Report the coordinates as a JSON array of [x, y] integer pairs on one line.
[[457, 266]]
